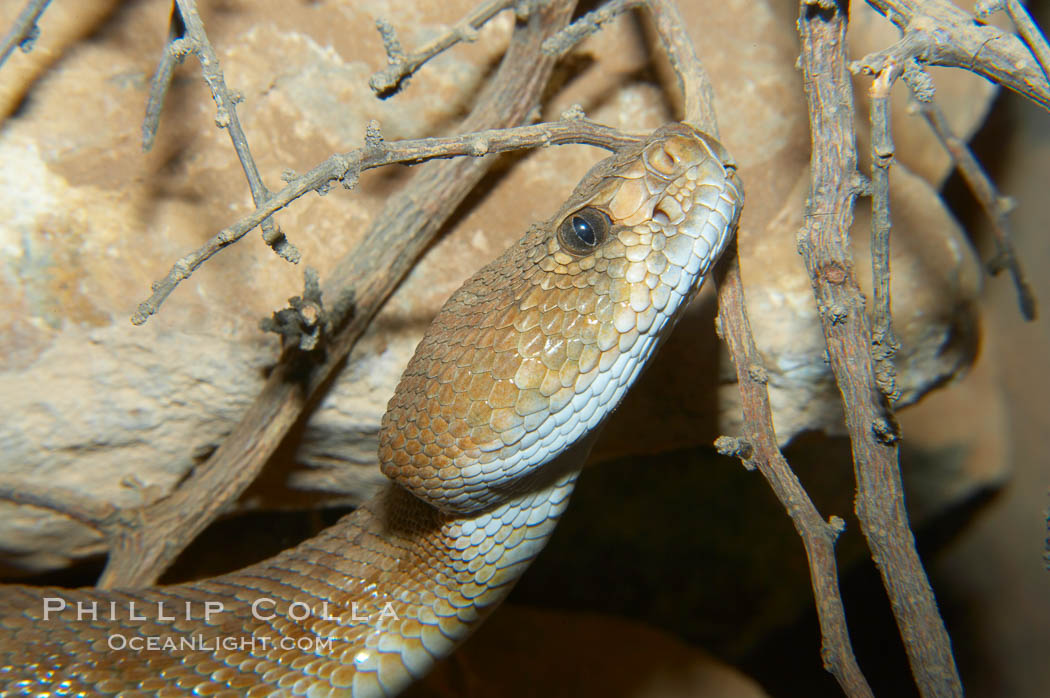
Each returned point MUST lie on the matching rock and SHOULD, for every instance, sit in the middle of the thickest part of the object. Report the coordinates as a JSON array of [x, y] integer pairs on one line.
[[87, 222]]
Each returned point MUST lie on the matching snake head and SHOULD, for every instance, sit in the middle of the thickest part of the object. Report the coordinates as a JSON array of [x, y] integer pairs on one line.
[[538, 347], [651, 203]]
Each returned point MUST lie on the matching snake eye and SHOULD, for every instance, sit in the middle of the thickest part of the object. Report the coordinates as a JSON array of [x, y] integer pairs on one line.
[[583, 230]]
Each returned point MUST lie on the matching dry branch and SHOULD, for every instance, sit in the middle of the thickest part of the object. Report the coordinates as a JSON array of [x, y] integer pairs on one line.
[[587, 25], [186, 35], [884, 344], [937, 32], [346, 167], [824, 245], [759, 449], [996, 206], [24, 30], [389, 80], [1026, 28], [693, 81], [921, 24], [357, 287]]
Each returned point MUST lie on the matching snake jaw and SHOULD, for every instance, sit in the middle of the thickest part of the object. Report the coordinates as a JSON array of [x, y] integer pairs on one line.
[[516, 371], [539, 347]]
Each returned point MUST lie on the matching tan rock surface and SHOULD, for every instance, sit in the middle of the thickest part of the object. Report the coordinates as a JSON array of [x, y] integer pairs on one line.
[[87, 222]]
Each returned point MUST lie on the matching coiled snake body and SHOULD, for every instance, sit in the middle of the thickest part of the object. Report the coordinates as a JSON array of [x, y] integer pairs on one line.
[[483, 440]]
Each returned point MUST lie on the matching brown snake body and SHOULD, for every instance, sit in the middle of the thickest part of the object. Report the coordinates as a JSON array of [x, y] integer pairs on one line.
[[483, 439]]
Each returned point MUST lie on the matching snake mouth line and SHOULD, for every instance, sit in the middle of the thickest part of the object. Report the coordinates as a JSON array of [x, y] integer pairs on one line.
[[484, 437]]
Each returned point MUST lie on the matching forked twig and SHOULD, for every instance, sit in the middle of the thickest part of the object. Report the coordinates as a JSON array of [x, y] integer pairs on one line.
[[186, 35], [693, 79], [938, 32], [389, 80], [346, 167], [357, 287]]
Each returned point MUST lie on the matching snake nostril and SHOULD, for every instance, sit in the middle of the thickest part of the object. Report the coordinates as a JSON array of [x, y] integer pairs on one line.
[[670, 209]]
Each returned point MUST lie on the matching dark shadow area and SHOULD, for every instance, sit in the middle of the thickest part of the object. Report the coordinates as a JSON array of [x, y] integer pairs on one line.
[[693, 544], [238, 541], [787, 662]]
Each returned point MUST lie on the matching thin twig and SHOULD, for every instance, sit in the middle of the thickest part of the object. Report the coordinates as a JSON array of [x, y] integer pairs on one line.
[[175, 51], [390, 79], [937, 32], [1030, 34], [357, 287], [824, 245], [1026, 27], [697, 92], [696, 87], [347, 166], [186, 35], [996, 207], [587, 25], [759, 447], [884, 344], [761, 451], [24, 31]]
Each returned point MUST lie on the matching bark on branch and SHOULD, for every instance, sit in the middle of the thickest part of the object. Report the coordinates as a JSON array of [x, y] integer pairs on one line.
[[758, 449], [937, 32], [824, 244], [359, 284]]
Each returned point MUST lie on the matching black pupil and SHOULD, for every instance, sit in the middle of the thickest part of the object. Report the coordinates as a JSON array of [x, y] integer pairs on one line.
[[583, 230]]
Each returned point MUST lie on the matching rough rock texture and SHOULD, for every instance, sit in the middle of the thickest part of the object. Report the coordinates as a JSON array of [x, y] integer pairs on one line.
[[87, 221]]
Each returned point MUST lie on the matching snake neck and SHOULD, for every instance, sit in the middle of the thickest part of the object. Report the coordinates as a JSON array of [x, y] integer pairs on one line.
[[484, 437], [539, 346], [363, 609]]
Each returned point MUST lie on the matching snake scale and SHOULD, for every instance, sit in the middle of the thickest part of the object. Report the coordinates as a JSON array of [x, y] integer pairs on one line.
[[482, 440]]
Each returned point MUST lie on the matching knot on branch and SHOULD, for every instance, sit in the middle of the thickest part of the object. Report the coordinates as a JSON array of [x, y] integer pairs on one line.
[[919, 81], [523, 9], [758, 373], [904, 59], [736, 447], [886, 430], [274, 237], [573, 113], [373, 135], [834, 273], [986, 8], [304, 322], [26, 45]]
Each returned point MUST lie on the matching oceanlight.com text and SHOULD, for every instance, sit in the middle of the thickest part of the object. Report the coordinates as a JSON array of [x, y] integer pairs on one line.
[[231, 643]]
